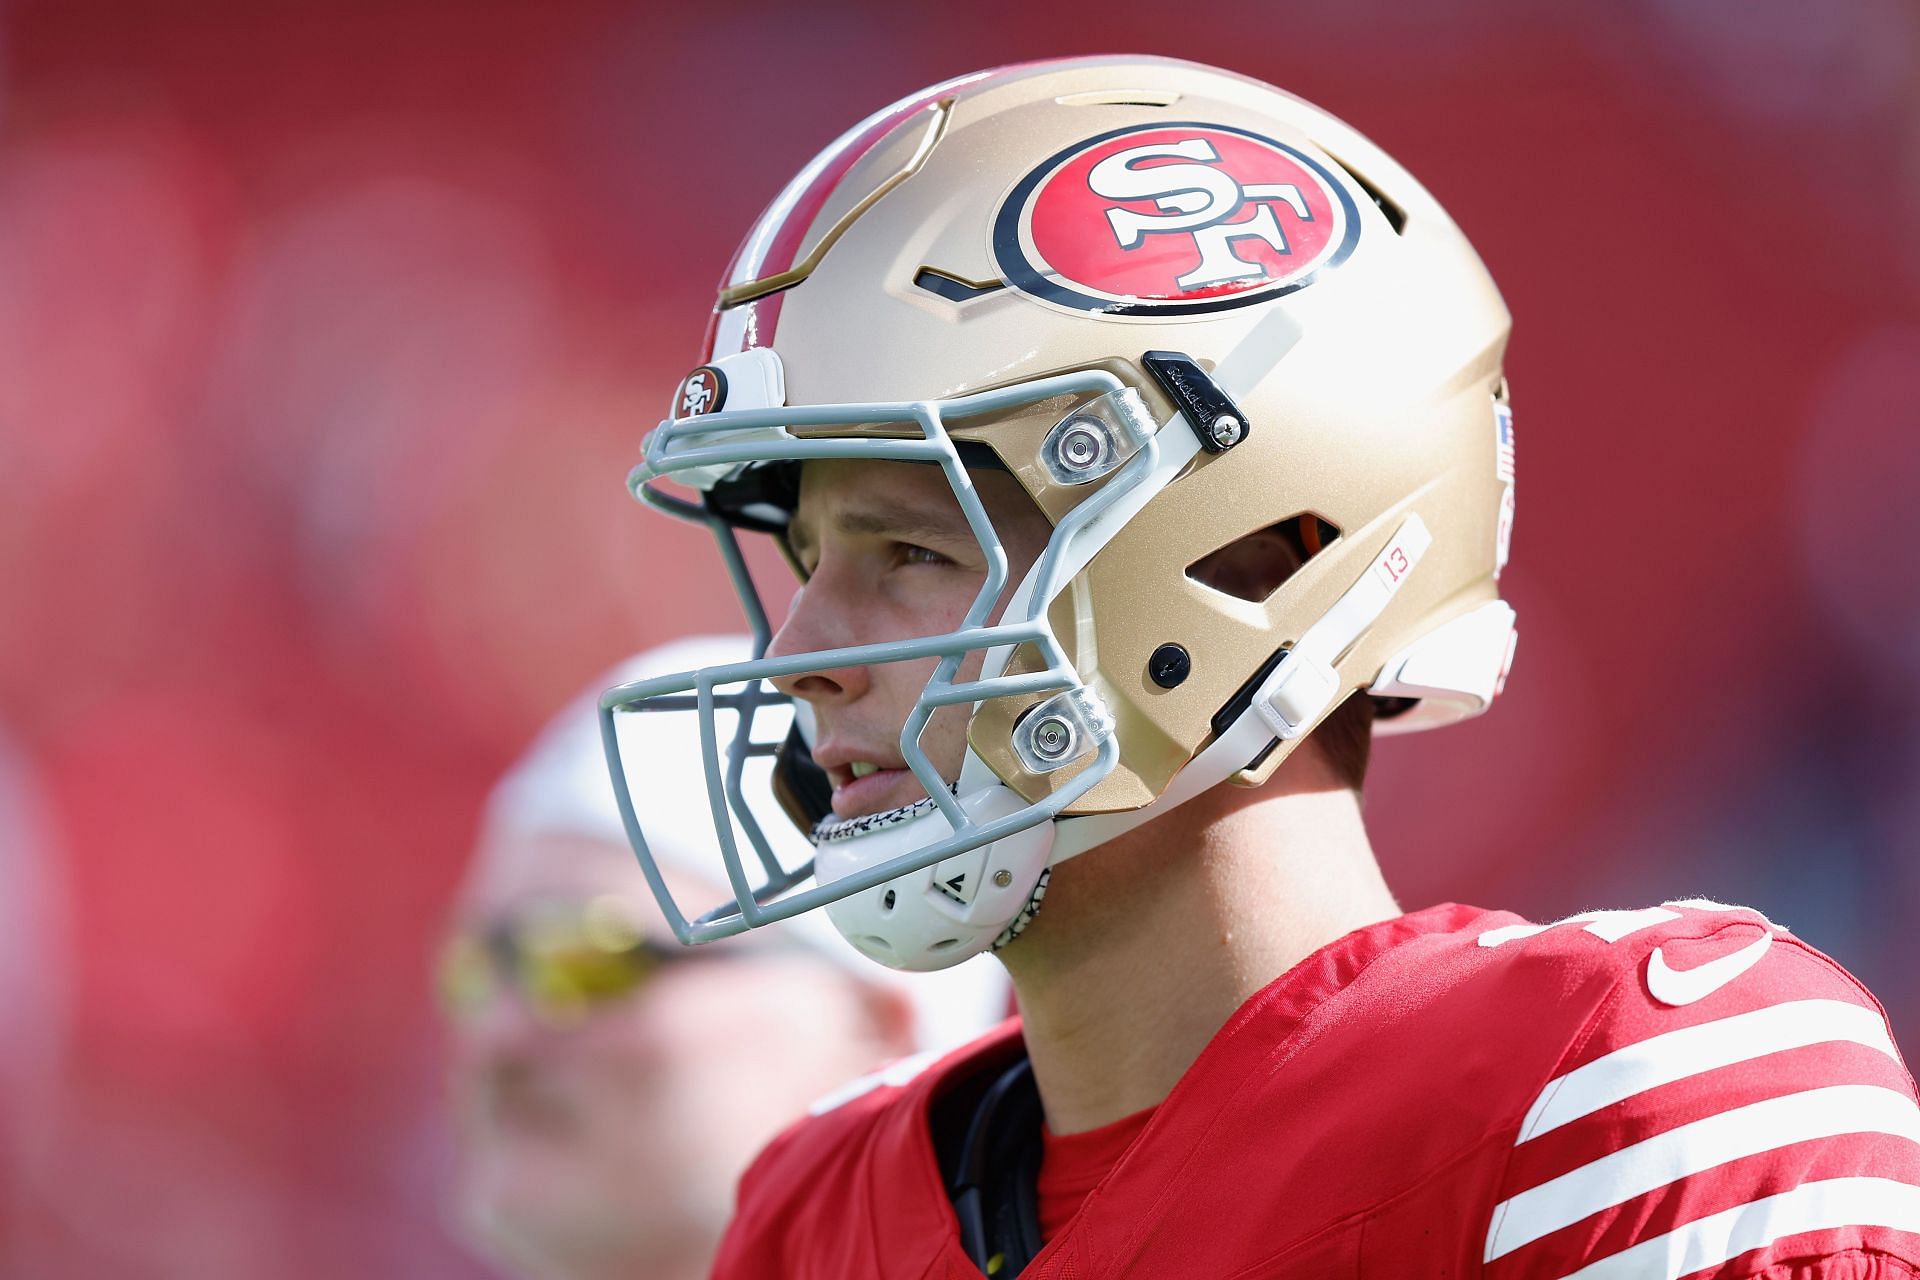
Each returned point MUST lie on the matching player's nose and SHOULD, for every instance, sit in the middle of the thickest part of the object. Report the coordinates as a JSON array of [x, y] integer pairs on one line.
[[817, 622]]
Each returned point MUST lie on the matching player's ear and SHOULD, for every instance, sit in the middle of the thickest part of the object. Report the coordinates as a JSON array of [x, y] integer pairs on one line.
[[888, 1014]]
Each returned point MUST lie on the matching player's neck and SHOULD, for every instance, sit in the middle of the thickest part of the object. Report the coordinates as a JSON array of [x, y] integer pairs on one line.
[[1149, 944]]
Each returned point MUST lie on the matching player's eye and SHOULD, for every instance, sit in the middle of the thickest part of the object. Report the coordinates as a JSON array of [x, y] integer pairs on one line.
[[911, 554]]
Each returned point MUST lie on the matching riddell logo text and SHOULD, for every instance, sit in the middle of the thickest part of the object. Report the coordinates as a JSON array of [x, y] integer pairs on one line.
[[1173, 219]]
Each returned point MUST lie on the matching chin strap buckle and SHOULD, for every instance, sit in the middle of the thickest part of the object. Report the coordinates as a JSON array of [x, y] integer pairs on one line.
[[1299, 691]]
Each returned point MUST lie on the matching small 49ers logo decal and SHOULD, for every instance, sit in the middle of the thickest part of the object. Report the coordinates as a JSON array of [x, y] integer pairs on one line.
[[702, 391], [1173, 219]]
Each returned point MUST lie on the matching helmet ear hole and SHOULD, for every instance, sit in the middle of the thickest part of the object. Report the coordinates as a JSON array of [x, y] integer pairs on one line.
[[1254, 566]]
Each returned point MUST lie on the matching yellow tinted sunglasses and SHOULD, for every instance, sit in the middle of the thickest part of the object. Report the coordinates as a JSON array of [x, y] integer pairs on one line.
[[564, 960]]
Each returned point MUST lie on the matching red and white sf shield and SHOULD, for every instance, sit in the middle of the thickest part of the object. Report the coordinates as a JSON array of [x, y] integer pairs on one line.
[[1173, 219]]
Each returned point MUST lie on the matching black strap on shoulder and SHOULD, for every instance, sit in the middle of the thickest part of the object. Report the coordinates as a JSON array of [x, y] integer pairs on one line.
[[993, 1175]]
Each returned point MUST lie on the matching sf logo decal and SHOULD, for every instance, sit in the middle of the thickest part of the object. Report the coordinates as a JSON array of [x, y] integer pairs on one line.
[[1196, 200], [1173, 220], [702, 391]]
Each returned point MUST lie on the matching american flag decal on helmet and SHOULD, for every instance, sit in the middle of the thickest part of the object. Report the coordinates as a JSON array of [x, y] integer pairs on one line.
[[1503, 442]]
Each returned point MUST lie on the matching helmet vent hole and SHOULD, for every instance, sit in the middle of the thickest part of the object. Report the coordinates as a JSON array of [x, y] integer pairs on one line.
[[944, 284], [1120, 98], [887, 900], [945, 944], [1396, 216], [1258, 564]]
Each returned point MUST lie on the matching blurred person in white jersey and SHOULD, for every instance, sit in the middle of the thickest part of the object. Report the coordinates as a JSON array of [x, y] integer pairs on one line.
[[604, 1099]]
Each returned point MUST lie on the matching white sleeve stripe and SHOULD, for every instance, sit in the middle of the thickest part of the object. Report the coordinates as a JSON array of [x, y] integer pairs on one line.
[[1609, 925], [894, 1074], [1710, 1241], [1691, 1051], [1615, 925], [1680, 1153]]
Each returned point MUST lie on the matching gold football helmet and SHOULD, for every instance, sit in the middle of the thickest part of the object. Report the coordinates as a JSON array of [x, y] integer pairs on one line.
[[1182, 308]]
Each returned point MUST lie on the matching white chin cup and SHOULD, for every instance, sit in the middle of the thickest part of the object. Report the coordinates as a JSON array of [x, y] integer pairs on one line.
[[937, 916]]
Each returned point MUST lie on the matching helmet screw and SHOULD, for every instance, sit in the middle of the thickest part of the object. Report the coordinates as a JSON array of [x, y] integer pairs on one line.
[[1002, 878], [1079, 448], [1225, 430], [1169, 665], [1052, 738]]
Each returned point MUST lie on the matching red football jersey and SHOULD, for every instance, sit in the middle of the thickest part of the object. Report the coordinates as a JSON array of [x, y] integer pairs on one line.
[[1684, 1090]]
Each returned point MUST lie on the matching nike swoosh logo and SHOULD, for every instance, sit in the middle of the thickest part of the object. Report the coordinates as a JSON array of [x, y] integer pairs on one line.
[[1678, 987]]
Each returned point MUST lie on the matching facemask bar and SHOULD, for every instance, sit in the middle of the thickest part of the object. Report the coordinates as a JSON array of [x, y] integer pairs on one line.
[[677, 449], [726, 797]]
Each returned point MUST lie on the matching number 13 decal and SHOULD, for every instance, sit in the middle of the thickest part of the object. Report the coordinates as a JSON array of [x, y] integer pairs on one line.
[[1396, 563]]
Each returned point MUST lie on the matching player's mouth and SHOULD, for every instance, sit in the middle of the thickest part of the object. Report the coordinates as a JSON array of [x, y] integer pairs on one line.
[[861, 787]]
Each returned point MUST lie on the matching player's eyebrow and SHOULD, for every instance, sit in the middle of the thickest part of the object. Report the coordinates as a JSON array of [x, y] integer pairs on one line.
[[887, 518]]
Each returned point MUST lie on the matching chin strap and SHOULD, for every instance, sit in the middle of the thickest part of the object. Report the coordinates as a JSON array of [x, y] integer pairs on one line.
[[1288, 702], [830, 829], [1027, 913], [1304, 685]]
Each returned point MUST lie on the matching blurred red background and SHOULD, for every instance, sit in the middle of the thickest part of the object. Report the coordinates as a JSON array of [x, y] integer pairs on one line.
[[329, 330]]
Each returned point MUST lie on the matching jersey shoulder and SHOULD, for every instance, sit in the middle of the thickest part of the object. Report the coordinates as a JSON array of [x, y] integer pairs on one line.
[[1732, 1093]]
